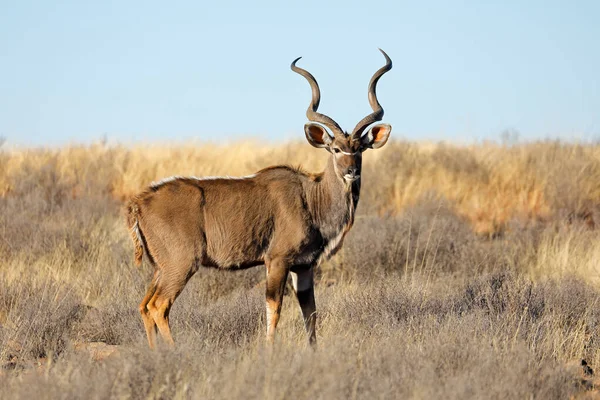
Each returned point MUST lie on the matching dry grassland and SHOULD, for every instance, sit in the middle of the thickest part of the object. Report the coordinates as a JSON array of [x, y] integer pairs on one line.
[[471, 272]]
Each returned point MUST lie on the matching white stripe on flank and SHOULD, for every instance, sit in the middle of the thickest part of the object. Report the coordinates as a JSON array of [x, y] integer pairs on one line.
[[204, 178]]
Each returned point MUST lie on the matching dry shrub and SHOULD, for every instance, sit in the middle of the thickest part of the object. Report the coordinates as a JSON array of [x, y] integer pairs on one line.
[[499, 336], [425, 239], [41, 316]]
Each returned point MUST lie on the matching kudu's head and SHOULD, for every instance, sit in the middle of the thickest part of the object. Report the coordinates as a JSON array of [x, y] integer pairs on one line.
[[346, 149]]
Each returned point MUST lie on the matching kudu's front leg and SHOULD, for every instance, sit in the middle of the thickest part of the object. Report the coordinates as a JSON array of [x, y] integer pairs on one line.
[[277, 272], [304, 286]]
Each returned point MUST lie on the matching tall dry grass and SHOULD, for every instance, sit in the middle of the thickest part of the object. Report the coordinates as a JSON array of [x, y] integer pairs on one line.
[[491, 185], [471, 272]]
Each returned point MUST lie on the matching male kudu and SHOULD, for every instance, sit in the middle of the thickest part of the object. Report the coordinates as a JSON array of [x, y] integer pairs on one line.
[[282, 217]]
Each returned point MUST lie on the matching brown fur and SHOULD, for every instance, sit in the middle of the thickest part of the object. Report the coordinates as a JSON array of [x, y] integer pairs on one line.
[[132, 216]]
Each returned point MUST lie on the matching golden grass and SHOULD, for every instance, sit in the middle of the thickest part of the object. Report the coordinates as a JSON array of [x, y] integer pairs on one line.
[[488, 184]]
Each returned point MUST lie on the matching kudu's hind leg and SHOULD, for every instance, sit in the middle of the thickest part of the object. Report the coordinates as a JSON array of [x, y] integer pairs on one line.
[[277, 272], [303, 283], [149, 323], [159, 307], [169, 286]]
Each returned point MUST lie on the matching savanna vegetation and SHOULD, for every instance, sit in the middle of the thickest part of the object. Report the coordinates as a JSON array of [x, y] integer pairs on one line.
[[471, 272]]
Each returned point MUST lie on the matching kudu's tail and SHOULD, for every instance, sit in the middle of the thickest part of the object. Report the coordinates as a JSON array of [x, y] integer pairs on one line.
[[135, 232]]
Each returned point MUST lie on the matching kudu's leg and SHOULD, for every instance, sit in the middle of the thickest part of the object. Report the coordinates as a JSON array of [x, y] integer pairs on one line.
[[303, 283], [277, 271], [159, 307], [169, 286], [149, 323]]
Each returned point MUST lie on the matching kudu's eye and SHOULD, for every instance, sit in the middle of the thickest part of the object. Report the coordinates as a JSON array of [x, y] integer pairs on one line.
[[336, 150]]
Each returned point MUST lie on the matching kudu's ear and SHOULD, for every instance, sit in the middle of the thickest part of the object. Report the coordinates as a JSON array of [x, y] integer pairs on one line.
[[376, 137], [317, 135]]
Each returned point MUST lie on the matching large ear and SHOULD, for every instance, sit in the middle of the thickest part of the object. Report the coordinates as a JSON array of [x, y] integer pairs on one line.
[[317, 135], [376, 137]]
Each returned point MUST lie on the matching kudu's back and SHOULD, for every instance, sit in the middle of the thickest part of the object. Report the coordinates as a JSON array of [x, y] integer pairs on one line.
[[226, 222]]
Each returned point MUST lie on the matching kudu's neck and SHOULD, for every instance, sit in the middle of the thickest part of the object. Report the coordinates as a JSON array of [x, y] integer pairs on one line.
[[332, 200]]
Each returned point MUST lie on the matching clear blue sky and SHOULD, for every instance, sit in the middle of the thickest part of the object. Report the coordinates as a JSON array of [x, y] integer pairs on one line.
[[73, 71]]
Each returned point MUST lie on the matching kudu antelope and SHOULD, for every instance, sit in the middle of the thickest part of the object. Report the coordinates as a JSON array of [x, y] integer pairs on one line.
[[282, 217]]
